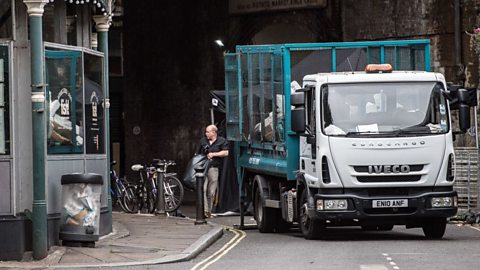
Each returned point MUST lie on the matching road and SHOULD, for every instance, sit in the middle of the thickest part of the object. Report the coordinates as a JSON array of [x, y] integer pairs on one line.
[[343, 248]]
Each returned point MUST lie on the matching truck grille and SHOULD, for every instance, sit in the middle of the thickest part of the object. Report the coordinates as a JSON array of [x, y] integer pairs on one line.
[[365, 177], [388, 178]]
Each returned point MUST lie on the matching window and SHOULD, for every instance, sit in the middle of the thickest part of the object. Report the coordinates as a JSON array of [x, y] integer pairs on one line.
[[94, 108], [115, 51], [67, 23], [6, 16], [65, 102], [75, 96], [4, 101], [310, 110]]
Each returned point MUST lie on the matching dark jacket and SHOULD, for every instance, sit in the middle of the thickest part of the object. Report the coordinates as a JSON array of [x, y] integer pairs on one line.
[[218, 145]]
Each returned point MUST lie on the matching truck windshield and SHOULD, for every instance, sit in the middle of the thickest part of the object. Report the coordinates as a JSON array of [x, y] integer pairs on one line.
[[384, 109]]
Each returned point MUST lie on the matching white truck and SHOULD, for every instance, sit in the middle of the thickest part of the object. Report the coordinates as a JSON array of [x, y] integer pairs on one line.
[[367, 148]]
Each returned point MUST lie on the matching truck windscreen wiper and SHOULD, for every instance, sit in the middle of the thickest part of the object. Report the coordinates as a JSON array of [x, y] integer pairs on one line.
[[374, 133], [414, 130]]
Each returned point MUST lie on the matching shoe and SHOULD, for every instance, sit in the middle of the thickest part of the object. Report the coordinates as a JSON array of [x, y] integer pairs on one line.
[[208, 215]]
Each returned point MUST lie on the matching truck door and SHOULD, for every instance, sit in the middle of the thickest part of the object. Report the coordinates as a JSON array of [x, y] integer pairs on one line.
[[308, 145]]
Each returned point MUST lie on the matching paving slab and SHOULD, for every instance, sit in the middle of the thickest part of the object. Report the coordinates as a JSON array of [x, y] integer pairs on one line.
[[136, 239]]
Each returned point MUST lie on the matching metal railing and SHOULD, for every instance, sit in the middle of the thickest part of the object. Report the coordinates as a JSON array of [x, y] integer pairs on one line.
[[466, 178]]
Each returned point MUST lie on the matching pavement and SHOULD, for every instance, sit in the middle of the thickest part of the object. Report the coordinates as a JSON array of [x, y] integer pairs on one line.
[[136, 239]]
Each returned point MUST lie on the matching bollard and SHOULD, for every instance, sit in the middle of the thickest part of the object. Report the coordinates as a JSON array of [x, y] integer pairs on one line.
[[199, 175], [160, 203], [242, 212]]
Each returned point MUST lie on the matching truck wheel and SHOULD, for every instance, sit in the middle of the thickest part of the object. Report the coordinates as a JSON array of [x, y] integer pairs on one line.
[[311, 228], [264, 216], [434, 228]]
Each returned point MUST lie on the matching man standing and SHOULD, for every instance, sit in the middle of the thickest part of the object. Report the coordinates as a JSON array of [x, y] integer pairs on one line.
[[215, 147]]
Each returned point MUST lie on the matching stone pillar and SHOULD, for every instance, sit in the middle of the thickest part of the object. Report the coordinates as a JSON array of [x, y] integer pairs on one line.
[[102, 24], [39, 208]]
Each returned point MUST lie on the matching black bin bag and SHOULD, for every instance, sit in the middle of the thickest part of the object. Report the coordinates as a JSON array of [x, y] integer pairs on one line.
[[189, 180]]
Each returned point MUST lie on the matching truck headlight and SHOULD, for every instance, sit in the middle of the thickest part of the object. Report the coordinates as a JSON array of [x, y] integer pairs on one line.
[[332, 204], [438, 202]]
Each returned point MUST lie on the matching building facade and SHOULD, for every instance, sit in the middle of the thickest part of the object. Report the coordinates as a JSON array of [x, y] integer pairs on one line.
[[53, 115]]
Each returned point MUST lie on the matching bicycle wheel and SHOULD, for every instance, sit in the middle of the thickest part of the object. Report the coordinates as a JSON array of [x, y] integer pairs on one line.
[[152, 198], [173, 190], [129, 200]]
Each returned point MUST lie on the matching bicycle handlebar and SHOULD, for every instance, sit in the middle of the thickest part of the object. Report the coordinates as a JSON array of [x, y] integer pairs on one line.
[[156, 164], [163, 162]]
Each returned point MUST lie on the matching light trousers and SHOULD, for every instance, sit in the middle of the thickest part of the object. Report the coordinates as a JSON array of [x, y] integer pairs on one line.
[[210, 188]]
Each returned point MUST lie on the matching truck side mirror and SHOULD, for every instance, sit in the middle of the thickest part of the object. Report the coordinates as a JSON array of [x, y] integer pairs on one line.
[[297, 120], [297, 99], [463, 109]]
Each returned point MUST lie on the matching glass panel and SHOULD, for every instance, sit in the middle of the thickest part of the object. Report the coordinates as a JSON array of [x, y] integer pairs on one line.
[[309, 62], [231, 86], [94, 109], [418, 58], [65, 102], [49, 23], [267, 104], [390, 57], [277, 84], [6, 19], [4, 104], [404, 58], [256, 92], [245, 90], [71, 25], [374, 56], [352, 59]]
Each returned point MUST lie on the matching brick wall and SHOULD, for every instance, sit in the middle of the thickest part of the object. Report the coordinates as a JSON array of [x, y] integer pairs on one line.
[[171, 61]]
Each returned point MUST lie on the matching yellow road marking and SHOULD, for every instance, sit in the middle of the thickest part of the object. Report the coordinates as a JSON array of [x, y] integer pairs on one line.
[[239, 235]]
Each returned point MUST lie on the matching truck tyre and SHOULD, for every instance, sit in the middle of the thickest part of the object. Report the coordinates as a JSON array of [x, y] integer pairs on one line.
[[434, 228], [264, 216], [311, 228]]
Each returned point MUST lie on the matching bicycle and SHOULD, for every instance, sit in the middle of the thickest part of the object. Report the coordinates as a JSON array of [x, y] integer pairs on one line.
[[146, 189], [121, 191], [173, 190]]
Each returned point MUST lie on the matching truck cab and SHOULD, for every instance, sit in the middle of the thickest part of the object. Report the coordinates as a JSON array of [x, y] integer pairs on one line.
[[376, 150]]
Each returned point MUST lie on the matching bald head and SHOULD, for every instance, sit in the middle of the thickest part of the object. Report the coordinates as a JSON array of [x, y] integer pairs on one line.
[[211, 132], [212, 128]]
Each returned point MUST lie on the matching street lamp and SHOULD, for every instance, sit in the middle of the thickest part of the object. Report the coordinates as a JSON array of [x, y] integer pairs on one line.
[[219, 42]]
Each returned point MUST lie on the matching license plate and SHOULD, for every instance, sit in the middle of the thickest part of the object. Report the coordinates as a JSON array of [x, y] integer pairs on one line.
[[390, 203]]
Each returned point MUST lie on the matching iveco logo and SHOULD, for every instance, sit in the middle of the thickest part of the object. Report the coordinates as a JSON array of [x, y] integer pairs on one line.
[[388, 169]]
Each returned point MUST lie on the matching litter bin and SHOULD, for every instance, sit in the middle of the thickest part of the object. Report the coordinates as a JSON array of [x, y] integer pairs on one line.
[[80, 209]]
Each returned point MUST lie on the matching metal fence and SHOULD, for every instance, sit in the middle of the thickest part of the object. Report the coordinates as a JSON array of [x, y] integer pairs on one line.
[[466, 178]]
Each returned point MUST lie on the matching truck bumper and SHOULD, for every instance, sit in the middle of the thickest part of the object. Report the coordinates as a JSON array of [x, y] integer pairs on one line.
[[370, 210]]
